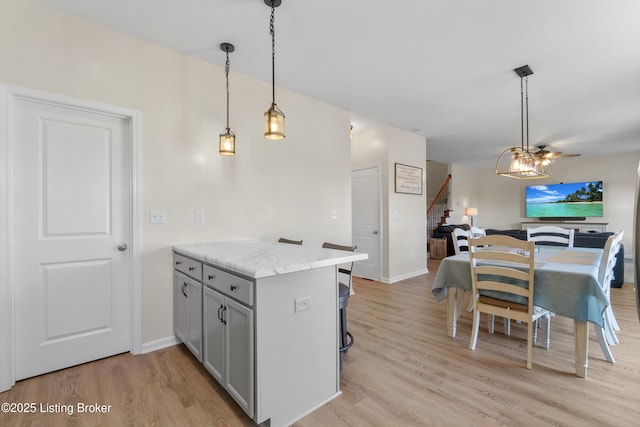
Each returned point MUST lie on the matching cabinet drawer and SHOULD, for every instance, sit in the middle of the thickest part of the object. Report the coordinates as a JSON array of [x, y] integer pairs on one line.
[[188, 266], [229, 284]]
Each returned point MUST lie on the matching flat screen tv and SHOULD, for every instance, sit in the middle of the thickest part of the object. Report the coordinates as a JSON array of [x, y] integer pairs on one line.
[[576, 200]]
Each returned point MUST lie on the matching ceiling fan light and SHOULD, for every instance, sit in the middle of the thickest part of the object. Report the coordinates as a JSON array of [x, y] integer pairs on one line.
[[519, 163]]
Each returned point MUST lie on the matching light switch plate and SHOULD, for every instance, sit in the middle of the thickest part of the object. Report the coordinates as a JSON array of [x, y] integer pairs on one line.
[[199, 217]]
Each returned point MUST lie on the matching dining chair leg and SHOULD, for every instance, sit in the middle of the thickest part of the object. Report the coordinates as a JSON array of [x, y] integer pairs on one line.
[[545, 322], [610, 327], [604, 345], [530, 328], [474, 329]]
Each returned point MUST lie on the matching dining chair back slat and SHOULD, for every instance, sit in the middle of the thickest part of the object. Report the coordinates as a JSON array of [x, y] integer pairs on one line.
[[460, 239], [551, 234]]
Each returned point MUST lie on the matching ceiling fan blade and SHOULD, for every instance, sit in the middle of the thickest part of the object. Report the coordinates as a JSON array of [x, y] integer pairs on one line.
[[562, 156]]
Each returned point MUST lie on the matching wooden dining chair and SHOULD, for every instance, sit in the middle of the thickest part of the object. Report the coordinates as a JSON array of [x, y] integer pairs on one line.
[[502, 277], [551, 235], [607, 333]]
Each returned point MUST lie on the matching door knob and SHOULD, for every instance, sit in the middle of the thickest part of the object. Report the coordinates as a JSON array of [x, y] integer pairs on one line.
[[375, 231], [122, 247]]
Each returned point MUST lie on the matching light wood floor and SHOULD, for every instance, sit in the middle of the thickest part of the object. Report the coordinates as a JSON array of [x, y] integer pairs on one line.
[[402, 371]]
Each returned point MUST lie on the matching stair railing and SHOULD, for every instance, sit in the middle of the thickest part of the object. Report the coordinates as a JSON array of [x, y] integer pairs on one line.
[[438, 211]]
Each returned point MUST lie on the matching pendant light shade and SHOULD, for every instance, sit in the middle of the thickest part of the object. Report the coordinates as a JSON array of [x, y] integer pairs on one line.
[[228, 143], [273, 118], [227, 138], [519, 162], [274, 123]]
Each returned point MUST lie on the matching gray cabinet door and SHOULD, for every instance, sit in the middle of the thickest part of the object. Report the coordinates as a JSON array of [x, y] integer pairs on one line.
[[187, 312], [214, 331], [194, 320], [180, 306], [239, 354]]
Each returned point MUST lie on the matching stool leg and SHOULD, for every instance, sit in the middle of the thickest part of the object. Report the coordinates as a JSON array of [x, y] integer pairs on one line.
[[343, 328]]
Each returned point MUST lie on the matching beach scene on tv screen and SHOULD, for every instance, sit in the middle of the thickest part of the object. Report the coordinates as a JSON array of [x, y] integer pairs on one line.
[[578, 199]]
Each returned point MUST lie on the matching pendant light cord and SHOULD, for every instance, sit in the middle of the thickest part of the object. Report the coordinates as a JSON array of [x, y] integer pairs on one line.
[[522, 113], [273, 53], [226, 73], [526, 91]]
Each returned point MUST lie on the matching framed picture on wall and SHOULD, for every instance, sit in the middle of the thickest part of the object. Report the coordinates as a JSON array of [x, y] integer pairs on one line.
[[408, 179]]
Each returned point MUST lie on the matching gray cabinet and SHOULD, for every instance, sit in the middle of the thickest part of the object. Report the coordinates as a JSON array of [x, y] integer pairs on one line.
[[214, 318], [228, 346], [187, 312], [278, 358]]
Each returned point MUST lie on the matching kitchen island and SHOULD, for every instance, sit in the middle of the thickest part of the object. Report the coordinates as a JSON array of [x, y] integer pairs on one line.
[[267, 328]]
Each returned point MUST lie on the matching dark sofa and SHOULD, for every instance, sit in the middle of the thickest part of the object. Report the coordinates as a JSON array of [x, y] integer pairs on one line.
[[582, 240]]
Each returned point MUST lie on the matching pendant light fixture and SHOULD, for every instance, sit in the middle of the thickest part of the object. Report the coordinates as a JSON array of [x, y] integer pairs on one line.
[[519, 162], [227, 138], [274, 118]]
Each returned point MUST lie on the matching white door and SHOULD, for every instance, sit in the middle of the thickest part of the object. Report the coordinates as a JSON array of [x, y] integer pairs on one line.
[[71, 228], [365, 211]]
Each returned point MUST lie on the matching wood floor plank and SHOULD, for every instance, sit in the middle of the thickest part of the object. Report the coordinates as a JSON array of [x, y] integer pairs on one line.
[[402, 371]]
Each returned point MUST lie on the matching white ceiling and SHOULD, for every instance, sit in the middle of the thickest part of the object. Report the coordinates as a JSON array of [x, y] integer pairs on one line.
[[441, 69]]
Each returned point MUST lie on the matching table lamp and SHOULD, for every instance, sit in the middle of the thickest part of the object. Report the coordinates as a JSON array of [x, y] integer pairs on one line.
[[471, 212]]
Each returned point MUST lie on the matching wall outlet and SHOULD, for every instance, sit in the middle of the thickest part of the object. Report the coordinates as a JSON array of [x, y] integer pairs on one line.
[[334, 215], [158, 216], [302, 304]]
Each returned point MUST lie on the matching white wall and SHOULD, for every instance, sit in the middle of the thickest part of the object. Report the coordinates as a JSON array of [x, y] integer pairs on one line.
[[403, 215], [407, 212], [500, 200], [269, 189]]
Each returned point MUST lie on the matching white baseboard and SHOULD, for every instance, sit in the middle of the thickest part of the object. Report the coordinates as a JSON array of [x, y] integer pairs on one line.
[[629, 270], [390, 280], [159, 344]]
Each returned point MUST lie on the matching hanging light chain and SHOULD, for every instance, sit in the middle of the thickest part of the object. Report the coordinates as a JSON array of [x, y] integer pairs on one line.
[[226, 73], [272, 27]]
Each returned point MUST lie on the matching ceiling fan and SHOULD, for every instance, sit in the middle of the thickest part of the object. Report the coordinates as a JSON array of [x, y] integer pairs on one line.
[[544, 154]]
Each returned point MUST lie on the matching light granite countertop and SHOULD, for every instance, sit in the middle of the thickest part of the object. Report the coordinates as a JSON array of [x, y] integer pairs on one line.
[[258, 258]]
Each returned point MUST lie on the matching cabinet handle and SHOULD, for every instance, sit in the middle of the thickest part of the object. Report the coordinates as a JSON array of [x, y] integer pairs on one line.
[[184, 286], [224, 322], [233, 288], [178, 262], [212, 276], [191, 268], [220, 315]]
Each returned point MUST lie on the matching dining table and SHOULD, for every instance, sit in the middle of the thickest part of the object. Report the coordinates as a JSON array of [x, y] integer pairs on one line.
[[566, 283]]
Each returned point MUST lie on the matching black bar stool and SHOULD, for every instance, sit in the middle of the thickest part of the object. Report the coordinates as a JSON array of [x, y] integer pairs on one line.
[[344, 290]]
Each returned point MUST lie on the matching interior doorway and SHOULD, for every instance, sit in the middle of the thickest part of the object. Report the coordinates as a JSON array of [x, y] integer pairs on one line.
[[365, 211], [70, 240]]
